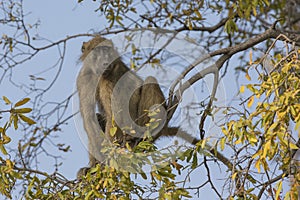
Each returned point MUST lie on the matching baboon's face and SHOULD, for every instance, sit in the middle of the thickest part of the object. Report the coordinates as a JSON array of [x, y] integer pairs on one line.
[[106, 53], [101, 58], [104, 56], [99, 53]]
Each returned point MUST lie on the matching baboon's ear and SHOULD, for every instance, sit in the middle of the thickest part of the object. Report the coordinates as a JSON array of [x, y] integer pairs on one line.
[[83, 47]]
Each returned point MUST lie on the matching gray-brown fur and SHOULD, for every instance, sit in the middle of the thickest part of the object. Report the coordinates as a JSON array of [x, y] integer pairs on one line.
[[114, 99], [96, 82]]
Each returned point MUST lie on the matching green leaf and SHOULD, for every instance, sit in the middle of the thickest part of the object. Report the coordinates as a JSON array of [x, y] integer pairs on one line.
[[230, 26], [195, 161], [90, 194]]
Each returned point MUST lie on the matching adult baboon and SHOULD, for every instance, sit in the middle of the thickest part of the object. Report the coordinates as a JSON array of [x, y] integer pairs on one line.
[[95, 61], [122, 97]]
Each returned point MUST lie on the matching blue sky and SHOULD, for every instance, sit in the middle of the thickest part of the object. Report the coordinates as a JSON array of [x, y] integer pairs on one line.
[[59, 19]]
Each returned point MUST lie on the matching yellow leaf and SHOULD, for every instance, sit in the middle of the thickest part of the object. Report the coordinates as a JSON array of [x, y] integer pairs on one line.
[[252, 139], [23, 110], [248, 77], [15, 119], [250, 58], [113, 131], [3, 150], [9, 164], [265, 165], [242, 89], [155, 61], [22, 102], [203, 143], [6, 139], [297, 126], [198, 14], [250, 102], [133, 49], [234, 175], [281, 115], [224, 130], [266, 149], [238, 141], [189, 24], [128, 146], [132, 65], [26, 119], [7, 101], [293, 146], [254, 11], [222, 143], [257, 165], [257, 154], [278, 190]]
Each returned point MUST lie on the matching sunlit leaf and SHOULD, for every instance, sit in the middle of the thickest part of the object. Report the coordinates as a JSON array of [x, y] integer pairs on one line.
[[278, 190], [248, 77], [234, 176], [23, 110], [22, 102], [26, 119], [293, 146], [250, 58], [15, 119], [113, 131], [9, 164], [198, 14], [3, 150], [250, 102], [222, 143], [6, 100], [242, 89], [6, 139], [257, 165]]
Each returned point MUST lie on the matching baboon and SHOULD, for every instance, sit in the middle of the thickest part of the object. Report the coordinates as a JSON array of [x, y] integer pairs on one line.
[[122, 98], [87, 81]]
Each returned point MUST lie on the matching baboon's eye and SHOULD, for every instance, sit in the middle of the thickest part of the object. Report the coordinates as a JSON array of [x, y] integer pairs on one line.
[[105, 48]]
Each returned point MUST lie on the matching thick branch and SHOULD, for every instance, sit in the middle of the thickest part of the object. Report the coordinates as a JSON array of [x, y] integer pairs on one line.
[[227, 53]]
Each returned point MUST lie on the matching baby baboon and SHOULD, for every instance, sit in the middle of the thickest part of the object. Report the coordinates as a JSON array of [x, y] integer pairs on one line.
[[122, 97]]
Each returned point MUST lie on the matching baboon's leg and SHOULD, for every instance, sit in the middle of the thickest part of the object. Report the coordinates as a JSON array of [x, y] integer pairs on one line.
[[152, 99]]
